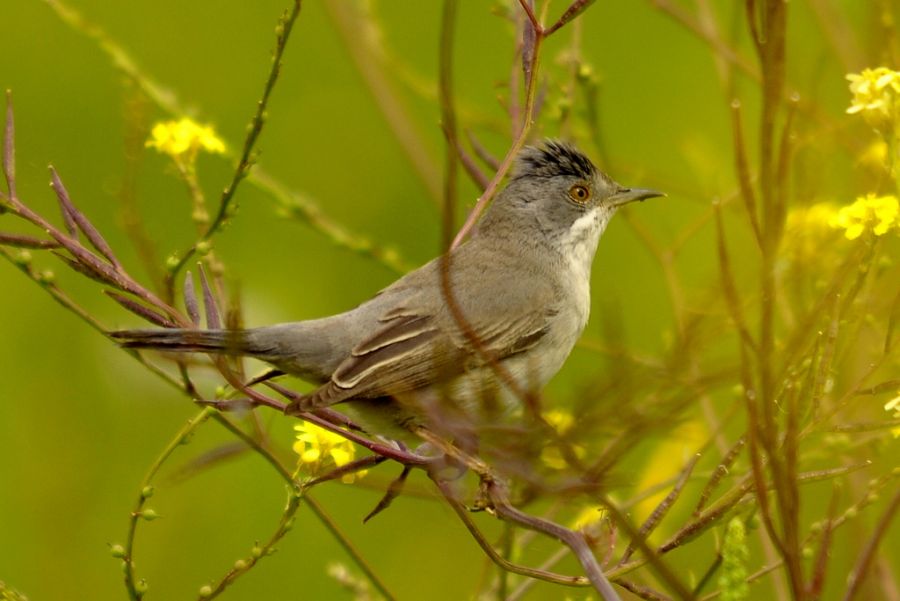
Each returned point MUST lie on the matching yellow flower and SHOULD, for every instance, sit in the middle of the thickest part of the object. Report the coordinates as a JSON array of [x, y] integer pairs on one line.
[[813, 217], [878, 214], [551, 455], [319, 451], [806, 229], [183, 138], [894, 405], [875, 93], [588, 516], [875, 155], [667, 460], [560, 420], [593, 525]]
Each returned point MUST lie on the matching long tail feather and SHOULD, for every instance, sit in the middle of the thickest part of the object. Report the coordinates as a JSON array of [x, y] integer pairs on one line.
[[184, 340]]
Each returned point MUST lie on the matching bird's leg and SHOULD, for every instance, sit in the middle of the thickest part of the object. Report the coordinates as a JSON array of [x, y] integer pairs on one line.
[[301, 404], [454, 453], [264, 377]]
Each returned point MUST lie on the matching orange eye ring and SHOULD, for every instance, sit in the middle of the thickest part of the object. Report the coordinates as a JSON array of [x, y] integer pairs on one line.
[[580, 193]]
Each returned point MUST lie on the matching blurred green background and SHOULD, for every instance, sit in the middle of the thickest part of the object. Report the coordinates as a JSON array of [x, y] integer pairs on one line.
[[80, 422]]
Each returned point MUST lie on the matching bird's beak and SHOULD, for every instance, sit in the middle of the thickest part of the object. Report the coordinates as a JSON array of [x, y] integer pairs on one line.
[[626, 195]]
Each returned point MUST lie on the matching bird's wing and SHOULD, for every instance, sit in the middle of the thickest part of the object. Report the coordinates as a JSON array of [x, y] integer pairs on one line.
[[420, 345]]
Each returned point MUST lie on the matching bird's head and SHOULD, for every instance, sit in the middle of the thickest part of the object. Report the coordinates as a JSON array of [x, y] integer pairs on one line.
[[558, 189]]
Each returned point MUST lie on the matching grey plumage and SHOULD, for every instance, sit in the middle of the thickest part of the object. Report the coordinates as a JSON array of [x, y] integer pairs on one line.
[[521, 283]]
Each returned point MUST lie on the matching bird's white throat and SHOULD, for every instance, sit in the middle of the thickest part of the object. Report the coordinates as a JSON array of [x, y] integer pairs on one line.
[[578, 246]]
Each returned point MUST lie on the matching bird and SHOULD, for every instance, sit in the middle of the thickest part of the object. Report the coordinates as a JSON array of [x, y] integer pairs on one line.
[[460, 339]]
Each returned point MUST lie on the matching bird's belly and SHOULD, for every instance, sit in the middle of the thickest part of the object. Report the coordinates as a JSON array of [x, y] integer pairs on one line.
[[504, 387], [482, 397]]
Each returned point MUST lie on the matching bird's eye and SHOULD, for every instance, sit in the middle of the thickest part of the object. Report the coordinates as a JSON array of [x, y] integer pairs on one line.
[[579, 193]]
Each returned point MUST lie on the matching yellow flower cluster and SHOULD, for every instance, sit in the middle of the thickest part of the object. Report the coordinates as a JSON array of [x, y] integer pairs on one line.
[[875, 94], [319, 450], [880, 214], [183, 138]]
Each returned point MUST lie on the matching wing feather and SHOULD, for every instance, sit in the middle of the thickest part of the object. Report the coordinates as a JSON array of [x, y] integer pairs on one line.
[[417, 342], [398, 360]]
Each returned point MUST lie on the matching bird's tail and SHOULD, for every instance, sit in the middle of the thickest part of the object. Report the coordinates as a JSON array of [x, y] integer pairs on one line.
[[186, 340], [309, 349]]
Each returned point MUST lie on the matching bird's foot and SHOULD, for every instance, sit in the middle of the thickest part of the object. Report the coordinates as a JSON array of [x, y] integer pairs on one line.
[[303, 404]]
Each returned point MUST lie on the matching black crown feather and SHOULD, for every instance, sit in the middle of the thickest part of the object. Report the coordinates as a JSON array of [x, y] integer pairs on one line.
[[553, 158]]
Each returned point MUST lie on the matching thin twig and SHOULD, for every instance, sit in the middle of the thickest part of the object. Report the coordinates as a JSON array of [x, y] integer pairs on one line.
[[518, 143], [574, 10], [77, 218], [9, 148], [463, 515], [19, 241], [857, 576], [660, 511], [448, 121], [743, 171], [246, 160], [361, 40], [652, 556], [290, 204], [314, 506], [139, 513]]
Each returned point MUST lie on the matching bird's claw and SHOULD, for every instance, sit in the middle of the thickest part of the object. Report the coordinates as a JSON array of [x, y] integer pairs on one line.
[[300, 405]]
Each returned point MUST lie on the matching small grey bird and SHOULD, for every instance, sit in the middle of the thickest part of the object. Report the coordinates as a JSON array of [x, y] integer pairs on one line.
[[520, 298]]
